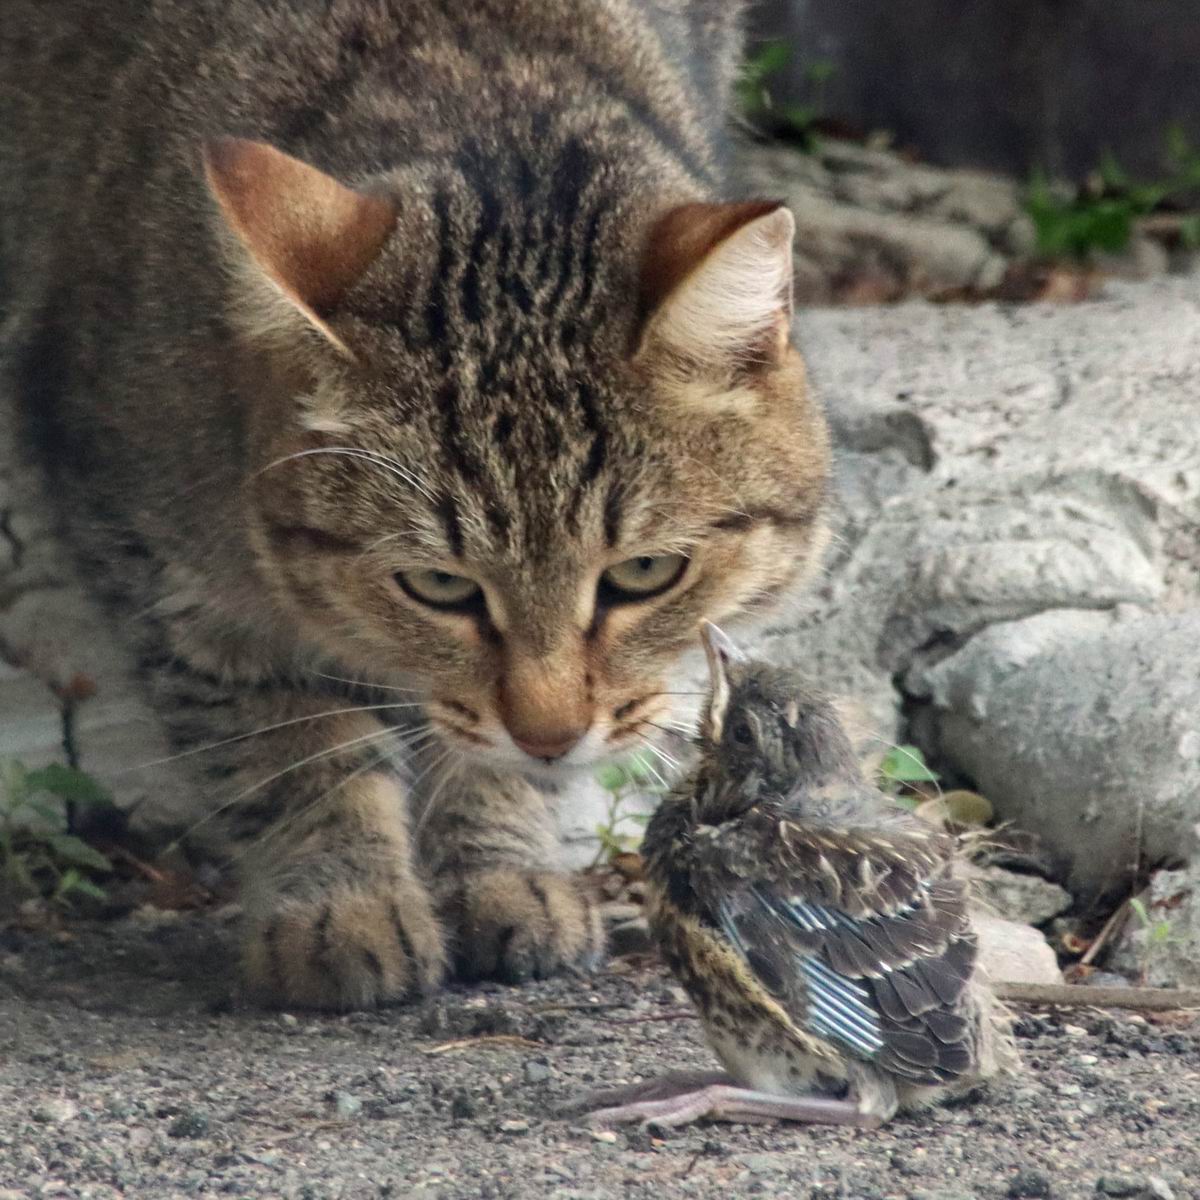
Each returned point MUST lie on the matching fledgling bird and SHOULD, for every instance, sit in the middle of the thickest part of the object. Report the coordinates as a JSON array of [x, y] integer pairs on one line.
[[818, 927]]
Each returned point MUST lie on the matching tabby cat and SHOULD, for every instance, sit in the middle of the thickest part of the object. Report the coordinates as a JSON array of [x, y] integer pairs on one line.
[[411, 392]]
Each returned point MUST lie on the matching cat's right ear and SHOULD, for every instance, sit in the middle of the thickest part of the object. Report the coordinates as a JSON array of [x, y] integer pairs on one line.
[[716, 285], [308, 238]]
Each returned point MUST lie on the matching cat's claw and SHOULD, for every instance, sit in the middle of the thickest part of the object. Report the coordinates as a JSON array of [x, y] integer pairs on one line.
[[518, 925], [344, 949]]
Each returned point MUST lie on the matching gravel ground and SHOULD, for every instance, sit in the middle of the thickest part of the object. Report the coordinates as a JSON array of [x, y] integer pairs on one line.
[[126, 1069]]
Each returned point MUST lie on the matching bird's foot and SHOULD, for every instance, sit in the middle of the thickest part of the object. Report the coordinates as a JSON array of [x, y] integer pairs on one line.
[[651, 1091], [670, 1102]]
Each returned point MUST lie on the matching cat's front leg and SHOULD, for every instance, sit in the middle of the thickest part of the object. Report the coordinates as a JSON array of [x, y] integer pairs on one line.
[[510, 913], [316, 825]]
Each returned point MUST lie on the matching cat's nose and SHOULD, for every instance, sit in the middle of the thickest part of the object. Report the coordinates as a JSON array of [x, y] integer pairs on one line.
[[551, 745]]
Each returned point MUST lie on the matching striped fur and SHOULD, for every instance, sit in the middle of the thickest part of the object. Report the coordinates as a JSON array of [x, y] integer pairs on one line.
[[247, 455]]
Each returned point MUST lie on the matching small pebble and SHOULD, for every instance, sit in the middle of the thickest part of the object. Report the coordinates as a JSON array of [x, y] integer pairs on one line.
[[55, 1111], [346, 1105], [537, 1071], [514, 1126], [1087, 1060], [1074, 1031], [607, 1136], [290, 1021]]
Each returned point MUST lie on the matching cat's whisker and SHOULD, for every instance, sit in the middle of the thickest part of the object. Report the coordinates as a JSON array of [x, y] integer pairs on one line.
[[370, 686], [388, 464], [328, 752], [280, 829], [455, 759], [856, 728], [670, 731], [650, 766], [241, 737]]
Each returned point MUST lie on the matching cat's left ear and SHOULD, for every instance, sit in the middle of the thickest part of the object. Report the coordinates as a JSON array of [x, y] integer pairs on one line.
[[716, 284], [310, 237]]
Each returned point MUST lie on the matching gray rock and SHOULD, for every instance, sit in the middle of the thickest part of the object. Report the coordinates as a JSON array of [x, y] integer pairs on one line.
[[1013, 953], [1081, 727], [1165, 948], [55, 1111], [346, 1105], [537, 1071], [1027, 1182], [1137, 1187], [863, 213], [1024, 898]]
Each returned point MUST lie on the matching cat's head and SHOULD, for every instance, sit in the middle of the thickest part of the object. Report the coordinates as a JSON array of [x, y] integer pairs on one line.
[[518, 436]]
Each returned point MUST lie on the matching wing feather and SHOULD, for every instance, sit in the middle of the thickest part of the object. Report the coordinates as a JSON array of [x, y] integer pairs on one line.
[[861, 933]]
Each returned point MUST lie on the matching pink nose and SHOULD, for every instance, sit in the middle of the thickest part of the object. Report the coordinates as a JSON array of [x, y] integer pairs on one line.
[[551, 747]]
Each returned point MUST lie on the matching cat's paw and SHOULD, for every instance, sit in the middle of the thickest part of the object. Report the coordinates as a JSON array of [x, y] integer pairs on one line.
[[353, 946], [516, 925]]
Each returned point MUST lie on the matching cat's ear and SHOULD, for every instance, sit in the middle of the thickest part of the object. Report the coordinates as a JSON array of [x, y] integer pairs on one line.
[[311, 237], [716, 284]]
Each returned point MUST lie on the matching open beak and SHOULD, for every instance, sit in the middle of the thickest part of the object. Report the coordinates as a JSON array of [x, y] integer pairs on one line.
[[721, 654]]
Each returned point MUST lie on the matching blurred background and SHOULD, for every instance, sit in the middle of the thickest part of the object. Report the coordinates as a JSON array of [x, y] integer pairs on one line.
[[1053, 141]]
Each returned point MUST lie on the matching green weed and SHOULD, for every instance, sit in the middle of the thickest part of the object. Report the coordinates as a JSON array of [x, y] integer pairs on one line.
[[1159, 933], [39, 856], [1102, 213], [903, 766], [796, 121], [634, 777]]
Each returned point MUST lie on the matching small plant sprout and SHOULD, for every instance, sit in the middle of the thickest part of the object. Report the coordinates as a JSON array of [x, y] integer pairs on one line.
[[903, 767], [623, 782], [1157, 933], [39, 856]]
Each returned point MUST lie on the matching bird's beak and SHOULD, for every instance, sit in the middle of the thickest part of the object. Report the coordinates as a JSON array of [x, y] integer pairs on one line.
[[721, 654]]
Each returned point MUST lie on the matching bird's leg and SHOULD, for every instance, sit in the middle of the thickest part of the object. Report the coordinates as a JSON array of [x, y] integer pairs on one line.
[[724, 1102], [650, 1091]]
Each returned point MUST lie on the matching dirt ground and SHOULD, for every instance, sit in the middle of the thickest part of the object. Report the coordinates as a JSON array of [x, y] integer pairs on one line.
[[127, 1069]]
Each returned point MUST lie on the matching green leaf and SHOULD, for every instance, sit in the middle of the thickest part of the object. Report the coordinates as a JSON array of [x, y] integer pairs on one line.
[[83, 885], [1112, 174], [820, 71], [14, 778], [906, 764], [46, 811], [798, 116], [769, 59], [1189, 231], [612, 777], [68, 784], [641, 770], [1139, 909], [76, 851], [1179, 147]]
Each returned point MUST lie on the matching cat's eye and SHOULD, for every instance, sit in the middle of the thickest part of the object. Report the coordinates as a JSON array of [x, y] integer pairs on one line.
[[642, 577], [440, 589]]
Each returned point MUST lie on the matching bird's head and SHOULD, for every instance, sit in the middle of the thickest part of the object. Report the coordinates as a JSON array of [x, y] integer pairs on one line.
[[766, 732]]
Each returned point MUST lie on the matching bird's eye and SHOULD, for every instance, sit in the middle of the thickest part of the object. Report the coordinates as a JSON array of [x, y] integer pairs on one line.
[[440, 589], [641, 577], [742, 734]]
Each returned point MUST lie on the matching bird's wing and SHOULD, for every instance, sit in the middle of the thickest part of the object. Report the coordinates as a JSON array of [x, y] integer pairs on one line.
[[863, 935]]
